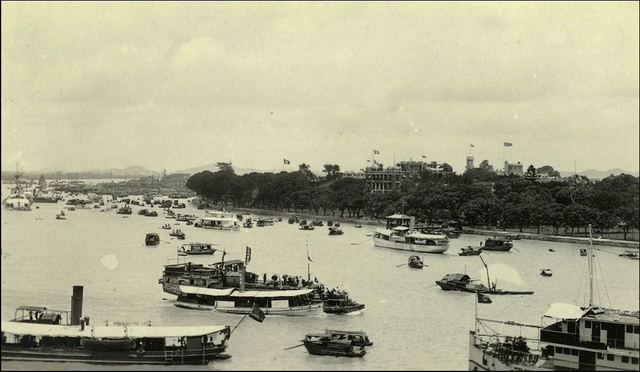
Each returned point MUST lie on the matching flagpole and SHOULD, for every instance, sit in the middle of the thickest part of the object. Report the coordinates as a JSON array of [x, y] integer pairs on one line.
[[245, 315], [308, 265]]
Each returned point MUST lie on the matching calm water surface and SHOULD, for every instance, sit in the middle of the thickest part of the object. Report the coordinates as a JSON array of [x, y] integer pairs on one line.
[[413, 323]]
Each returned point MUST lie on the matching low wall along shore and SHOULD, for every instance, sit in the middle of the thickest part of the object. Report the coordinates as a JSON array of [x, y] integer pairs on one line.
[[541, 237]]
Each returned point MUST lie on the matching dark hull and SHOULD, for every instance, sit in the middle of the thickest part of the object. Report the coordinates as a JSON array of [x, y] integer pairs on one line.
[[342, 309], [462, 288], [110, 357], [499, 248], [315, 348]]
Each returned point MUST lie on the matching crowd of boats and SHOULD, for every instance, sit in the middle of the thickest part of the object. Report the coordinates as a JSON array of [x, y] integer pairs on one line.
[[578, 338]]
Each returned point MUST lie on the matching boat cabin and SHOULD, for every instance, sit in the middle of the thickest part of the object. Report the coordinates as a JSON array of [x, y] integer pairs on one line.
[[35, 314]]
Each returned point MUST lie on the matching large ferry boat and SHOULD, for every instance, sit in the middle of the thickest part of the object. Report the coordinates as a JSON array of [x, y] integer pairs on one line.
[[62, 336], [400, 233], [569, 338]]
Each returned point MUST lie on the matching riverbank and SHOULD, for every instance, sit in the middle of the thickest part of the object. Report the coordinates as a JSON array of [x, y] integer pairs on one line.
[[556, 238], [466, 230]]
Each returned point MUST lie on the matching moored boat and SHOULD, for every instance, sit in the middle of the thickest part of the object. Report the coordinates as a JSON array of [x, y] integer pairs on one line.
[[498, 243], [630, 254], [339, 302], [196, 249], [47, 336], [400, 233], [335, 231], [218, 220], [570, 337]]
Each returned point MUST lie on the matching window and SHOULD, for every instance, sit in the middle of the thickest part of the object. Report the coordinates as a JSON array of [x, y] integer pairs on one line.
[[625, 359], [610, 357], [574, 351], [600, 356], [629, 328], [636, 329], [558, 349], [566, 350], [587, 324], [634, 360]]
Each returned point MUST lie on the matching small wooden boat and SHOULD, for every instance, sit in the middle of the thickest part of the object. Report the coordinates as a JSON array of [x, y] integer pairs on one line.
[[338, 302], [357, 225], [630, 254], [335, 231], [546, 272], [306, 227], [470, 251], [415, 262], [152, 239], [326, 344], [61, 216]]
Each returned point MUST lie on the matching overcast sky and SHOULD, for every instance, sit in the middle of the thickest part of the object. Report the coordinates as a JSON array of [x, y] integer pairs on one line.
[[175, 85]]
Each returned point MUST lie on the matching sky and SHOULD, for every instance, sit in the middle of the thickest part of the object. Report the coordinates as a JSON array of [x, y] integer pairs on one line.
[[176, 85]]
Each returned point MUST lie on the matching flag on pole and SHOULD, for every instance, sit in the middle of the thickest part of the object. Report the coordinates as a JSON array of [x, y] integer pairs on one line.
[[508, 144], [256, 313], [424, 157], [376, 152], [483, 299], [368, 161], [471, 144], [309, 258], [287, 161], [375, 162]]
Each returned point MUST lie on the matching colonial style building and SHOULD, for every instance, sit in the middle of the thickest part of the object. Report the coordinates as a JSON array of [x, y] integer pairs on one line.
[[380, 179]]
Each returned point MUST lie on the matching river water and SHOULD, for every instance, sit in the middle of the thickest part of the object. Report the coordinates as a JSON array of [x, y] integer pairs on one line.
[[413, 323]]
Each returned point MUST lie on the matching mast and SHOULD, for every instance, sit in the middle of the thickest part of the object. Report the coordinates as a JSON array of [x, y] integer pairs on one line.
[[590, 262], [308, 265], [487, 269]]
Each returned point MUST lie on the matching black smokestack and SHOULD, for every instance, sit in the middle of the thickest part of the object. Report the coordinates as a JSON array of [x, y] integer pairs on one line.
[[76, 305]]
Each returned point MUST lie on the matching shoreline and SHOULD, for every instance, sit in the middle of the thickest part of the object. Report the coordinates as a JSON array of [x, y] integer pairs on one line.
[[466, 230]]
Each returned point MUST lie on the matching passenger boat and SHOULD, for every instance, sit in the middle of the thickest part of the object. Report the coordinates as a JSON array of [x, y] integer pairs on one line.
[[248, 223], [152, 239], [399, 233], [415, 262], [17, 202], [217, 220], [470, 251], [462, 282], [630, 254], [333, 344], [498, 243], [569, 337], [227, 274], [546, 272], [338, 302], [335, 231], [297, 302], [196, 249], [55, 336]]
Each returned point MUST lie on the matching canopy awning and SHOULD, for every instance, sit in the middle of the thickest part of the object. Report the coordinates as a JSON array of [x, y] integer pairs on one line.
[[206, 291]]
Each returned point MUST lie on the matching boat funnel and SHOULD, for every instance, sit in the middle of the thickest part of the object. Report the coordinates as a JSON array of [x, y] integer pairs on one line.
[[76, 304]]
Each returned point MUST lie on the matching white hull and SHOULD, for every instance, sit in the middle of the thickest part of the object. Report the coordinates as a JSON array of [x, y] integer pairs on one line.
[[419, 248], [307, 310]]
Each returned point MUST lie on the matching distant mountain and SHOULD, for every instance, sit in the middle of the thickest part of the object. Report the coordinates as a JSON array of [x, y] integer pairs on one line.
[[593, 174], [133, 171]]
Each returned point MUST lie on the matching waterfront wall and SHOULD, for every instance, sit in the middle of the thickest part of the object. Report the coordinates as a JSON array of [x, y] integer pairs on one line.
[[531, 236], [556, 238]]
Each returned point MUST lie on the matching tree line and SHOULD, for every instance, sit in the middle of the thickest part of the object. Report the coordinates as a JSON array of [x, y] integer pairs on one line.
[[478, 197]]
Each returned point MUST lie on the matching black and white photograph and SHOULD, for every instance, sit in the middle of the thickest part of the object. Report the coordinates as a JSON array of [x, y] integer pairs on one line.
[[320, 185]]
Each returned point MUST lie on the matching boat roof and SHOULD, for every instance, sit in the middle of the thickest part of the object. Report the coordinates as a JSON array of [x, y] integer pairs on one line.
[[398, 216], [112, 331], [456, 276], [277, 293], [334, 331], [400, 228], [32, 308], [206, 291]]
